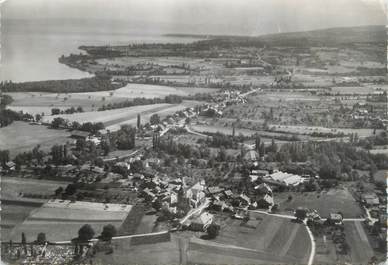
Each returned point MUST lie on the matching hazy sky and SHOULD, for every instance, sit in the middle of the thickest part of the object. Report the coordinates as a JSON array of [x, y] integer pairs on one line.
[[245, 17]]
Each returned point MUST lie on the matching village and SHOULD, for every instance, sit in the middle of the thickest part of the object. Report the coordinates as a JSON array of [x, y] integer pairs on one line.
[[228, 149]]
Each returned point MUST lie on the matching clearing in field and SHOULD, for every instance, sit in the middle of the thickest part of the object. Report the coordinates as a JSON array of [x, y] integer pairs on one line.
[[60, 220], [22, 136], [325, 202]]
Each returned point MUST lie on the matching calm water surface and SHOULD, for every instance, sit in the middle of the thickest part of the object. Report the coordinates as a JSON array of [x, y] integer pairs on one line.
[[30, 52]]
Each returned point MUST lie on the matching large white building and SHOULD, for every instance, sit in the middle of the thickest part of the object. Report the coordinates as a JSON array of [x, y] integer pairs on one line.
[[285, 178]]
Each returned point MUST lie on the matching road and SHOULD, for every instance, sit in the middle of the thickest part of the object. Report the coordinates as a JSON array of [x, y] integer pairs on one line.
[[116, 237]]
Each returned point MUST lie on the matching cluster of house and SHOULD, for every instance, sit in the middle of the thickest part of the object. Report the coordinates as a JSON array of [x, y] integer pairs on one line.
[[176, 120]]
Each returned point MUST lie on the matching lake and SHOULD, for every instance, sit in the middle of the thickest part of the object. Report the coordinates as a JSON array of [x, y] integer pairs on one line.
[[30, 49]]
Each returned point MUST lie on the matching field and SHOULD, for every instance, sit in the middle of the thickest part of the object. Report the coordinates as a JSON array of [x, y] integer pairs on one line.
[[14, 207], [13, 214], [326, 202], [38, 102], [360, 249], [358, 90], [269, 238], [61, 220], [12, 187], [112, 119], [317, 129], [21, 136], [124, 252]]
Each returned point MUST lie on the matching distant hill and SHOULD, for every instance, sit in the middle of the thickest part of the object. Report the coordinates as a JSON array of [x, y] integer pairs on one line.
[[325, 37], [332, 36]]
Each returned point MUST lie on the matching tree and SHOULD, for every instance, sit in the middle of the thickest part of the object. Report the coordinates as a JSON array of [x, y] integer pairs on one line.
[[71, 189], [126, 137], [257, 142], [24, 243], [4, 157], [155, 119], [222, 154], [57, 154], [57, 122], [23, 239], [108, 232], [85, 233], [80, 144], [138, 121], [55, 111], [37, 154], [262, 149], [38, 117], [58, 191], [213, 230], [41, 238], [137, 166]]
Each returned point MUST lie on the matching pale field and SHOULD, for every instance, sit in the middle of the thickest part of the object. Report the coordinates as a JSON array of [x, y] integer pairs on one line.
[[359, 89], [379, 151], [113, 119], [21, 137], [311, 129], [62, 220], [38, 102], [107, 115], [288, 96]]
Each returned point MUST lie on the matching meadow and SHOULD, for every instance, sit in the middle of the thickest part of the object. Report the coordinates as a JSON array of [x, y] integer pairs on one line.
[[325, 202], [21, 137]]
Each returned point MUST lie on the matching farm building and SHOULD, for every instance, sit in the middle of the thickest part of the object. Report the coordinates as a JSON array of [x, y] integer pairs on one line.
[[79, 134]]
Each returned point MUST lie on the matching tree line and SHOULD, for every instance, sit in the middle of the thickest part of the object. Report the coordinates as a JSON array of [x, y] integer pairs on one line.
[[97, 83], [170, 99]]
